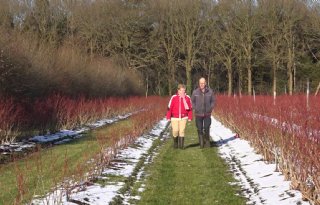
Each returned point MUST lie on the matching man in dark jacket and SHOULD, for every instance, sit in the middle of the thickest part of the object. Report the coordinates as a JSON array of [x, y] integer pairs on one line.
[[203, 102]]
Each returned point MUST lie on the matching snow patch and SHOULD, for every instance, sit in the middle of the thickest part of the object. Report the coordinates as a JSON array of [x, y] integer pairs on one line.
[[258, 180], [122, 167]]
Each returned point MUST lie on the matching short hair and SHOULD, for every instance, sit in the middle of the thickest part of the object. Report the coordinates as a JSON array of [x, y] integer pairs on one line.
[[202, 78], [181, 86]]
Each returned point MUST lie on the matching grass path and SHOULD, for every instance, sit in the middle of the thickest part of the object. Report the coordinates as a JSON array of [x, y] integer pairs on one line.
[[190, 176]]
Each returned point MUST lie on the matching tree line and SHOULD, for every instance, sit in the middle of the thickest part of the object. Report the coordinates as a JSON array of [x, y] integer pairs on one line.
[[240, 46]]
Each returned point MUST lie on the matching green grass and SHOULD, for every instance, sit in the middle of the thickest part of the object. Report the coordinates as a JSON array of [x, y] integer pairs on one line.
[[190, 176], [42, 170]]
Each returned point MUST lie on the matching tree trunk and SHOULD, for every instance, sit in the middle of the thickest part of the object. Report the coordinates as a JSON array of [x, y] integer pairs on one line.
[[229, 82], [147, 86], [229, 70], [159, 83], [189, 80], [249, 79], [274, 76], [189, 63], [290, 71], [169, 86], [240, 81], [249, 66], [290, 82], [171, 78]]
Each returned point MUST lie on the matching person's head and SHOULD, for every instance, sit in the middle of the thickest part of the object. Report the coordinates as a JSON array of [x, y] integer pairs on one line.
[[181, 89], [202, 83]]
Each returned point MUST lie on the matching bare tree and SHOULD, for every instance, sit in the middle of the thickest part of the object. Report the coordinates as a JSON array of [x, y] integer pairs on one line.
[[190, 32], [225, 40], [293, 14], [207, 56], [272, 35], [166, 29], [157, 38], [245, 24]]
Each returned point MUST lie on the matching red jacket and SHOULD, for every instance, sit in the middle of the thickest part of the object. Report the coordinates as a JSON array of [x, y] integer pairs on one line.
[[176, 108]]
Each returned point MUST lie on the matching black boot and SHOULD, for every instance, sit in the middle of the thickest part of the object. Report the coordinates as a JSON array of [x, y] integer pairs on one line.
[[206, 139], [181, 142], [200, 136], [175, 142]]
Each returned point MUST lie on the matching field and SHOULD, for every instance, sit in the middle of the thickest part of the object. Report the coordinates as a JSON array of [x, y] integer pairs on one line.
[[129, 157]]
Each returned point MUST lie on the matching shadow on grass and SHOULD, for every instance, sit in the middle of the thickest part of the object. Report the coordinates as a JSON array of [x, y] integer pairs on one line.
[[192, 145], [212, 144]]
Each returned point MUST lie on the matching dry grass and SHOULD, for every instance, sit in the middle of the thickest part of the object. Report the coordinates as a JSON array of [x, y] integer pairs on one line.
[[35, 68]]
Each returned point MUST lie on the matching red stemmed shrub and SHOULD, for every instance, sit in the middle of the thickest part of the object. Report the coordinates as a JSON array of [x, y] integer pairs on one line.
[[11, 117], [56, 112], [285, 130], [115, 139]]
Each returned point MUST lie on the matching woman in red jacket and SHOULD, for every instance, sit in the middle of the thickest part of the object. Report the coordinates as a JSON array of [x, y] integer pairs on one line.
[[179, 111]]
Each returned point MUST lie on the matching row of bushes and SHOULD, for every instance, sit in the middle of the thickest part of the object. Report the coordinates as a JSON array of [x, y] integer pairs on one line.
[[63, 173], [31, 68], [284, 130], [56, 112]]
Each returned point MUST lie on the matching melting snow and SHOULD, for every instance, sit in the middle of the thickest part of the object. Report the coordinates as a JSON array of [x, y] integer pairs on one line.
[[126, 161], [260, 182]]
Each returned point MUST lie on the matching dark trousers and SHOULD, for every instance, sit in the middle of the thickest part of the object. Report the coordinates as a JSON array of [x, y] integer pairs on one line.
[[203, 124]]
